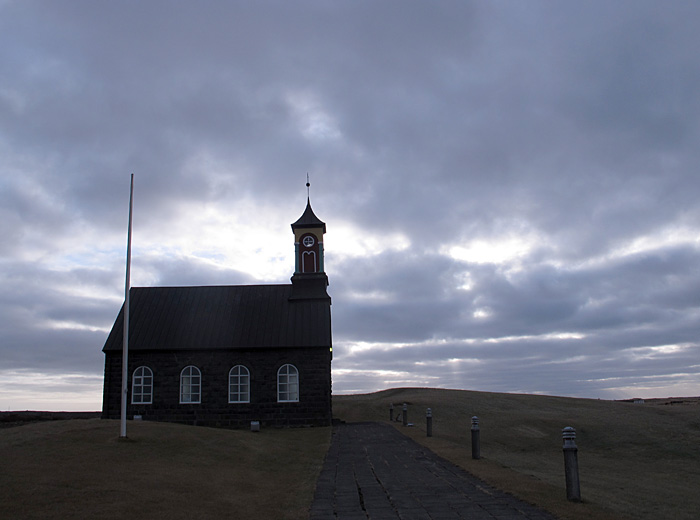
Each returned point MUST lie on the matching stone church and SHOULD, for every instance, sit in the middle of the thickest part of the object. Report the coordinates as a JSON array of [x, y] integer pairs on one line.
[[228, 355]]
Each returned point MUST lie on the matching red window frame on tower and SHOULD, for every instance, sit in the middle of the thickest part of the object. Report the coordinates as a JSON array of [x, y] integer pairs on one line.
[[309, 253]]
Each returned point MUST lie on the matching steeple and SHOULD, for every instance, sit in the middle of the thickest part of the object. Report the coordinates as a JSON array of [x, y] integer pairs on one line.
[[309, 280], [309, 219]]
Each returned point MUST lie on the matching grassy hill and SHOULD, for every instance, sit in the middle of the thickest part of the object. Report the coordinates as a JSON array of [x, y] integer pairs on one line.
[[80, 469], [636, 460]]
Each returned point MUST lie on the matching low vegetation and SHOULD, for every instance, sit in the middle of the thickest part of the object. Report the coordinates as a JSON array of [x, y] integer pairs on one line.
[[81, 469], [636, 460]]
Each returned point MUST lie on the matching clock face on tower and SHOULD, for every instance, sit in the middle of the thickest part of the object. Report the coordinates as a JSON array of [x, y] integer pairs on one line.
[[308, 241]]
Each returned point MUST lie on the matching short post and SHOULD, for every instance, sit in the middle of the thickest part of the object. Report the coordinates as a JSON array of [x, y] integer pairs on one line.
[[429, 422], [573, 486], [391, 412], [476, 448], [405, 414]]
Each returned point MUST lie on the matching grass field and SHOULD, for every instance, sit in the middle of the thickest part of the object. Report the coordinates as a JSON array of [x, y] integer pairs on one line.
[[80, 469], [639, 461]]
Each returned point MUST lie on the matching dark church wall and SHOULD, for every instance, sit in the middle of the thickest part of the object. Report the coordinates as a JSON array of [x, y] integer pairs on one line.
[[313, 408]]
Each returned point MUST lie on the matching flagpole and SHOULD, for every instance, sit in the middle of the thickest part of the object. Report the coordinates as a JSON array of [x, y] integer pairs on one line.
[[125, 345]]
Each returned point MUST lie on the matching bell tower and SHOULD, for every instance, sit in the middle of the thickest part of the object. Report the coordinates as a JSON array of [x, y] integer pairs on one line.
[[309, 280]]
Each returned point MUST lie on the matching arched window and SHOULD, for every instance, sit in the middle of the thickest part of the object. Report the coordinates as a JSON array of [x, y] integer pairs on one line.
[[287, 384], [308, 262], [190, 385], [239, 385], [142, 386]]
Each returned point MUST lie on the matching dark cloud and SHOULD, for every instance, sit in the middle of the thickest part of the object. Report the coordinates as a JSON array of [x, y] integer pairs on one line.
[[565, 132]]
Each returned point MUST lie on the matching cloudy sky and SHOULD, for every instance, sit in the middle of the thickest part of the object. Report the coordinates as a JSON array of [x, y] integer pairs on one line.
[[510, 188]]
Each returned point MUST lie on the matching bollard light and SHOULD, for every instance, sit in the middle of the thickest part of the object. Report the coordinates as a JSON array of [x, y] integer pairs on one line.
[[405, 414], [573, 486], [476, 439], [568, 434], [429, 422], [391, 412]]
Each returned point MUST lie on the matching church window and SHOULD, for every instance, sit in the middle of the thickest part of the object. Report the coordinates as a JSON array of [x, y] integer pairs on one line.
[[288, 384], [308, 262], [190, 385], [142, 386], [239, 385]]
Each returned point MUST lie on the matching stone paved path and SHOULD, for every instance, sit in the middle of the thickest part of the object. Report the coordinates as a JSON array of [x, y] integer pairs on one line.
[[374, 472]]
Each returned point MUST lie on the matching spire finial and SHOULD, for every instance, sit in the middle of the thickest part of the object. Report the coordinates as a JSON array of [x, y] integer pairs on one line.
[[308, 184]]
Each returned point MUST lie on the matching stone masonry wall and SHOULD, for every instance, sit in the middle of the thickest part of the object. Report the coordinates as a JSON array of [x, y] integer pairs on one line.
[[313, 408]]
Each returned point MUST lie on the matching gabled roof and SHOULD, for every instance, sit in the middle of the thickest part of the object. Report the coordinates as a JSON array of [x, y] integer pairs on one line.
[[309, 219], [219, 317]]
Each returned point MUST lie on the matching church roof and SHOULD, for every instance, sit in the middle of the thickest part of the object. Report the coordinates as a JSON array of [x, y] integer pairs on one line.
[[220, 317], [309, 219]]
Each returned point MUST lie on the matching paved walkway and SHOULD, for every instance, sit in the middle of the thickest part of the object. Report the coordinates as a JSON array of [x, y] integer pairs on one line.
[[374, 472]]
